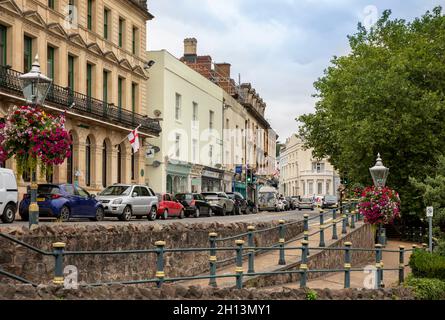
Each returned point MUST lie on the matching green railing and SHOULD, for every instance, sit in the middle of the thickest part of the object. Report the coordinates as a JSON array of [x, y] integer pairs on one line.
[[348, 219]]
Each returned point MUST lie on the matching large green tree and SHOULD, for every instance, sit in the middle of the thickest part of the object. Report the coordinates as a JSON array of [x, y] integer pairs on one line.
[[386, 96]]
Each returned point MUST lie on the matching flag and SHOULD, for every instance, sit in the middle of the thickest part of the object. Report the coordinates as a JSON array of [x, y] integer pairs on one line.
[[133, 137]]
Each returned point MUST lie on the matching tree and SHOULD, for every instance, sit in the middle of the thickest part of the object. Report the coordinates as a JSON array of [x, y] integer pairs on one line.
[[386, 96]]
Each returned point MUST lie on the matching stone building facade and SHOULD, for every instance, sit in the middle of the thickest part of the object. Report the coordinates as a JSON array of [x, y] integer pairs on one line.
[[303, 175], [95, 52]]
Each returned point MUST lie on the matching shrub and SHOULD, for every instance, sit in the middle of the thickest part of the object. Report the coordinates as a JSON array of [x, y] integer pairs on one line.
[[311, 295], [427, 265], [426, 289], [440, 248]]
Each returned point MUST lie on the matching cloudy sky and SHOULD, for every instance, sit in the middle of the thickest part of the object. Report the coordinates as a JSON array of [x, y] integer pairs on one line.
[[280, 46]]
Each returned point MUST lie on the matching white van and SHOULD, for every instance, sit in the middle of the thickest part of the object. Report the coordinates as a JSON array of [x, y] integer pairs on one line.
[[8, 195], [268, 199]]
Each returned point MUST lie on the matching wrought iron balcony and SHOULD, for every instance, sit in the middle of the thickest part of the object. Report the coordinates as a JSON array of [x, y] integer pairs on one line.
[[64, 98]]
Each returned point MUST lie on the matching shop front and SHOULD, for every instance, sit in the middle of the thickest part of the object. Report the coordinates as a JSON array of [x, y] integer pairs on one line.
[[211, 179], [178, 177], [195, 178]]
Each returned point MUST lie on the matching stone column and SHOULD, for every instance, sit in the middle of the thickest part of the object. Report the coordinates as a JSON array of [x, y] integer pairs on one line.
[[96, 166], [112, 165]]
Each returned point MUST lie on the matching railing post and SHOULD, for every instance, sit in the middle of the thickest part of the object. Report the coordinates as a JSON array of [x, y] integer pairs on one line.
[[58, 248], [348, 264], [303, 265], [212, 259], [334, 225], [378, 265], [347, 217], [322, 243], [251, 244], [239, 264], [352, 224], [160, 262], [344, 223], [401, 264], [282, 259], [306, 228]]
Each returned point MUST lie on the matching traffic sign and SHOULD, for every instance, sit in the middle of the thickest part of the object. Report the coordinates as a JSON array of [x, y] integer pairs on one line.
[[429, 211]]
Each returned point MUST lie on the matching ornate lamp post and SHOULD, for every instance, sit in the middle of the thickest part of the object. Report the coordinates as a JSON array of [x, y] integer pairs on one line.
[[35, 87], [379, 174]]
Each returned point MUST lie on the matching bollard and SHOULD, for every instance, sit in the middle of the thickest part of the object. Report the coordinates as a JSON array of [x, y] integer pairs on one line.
[[322, 243], [212, 259], [306, 229], [239, 264], [334, 225], [352, 224], [160, 262], [347, 218], [251, 244], [282, 260], [59, 248], [348, 265], [303, 265], [344, 223], [378, 264], [401, 264]]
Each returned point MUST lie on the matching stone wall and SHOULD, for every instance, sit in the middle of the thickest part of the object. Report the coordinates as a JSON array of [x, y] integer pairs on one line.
[[39, 269], [361, 237], [177, 292]]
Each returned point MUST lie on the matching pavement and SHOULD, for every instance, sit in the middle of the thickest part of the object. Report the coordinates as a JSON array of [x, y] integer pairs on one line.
[[268, 262]]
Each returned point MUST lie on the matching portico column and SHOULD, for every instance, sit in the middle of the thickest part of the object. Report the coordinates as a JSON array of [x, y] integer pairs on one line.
[[96, 166]]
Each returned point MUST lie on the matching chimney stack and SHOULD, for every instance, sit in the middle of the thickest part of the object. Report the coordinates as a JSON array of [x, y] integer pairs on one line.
[[190, 45]]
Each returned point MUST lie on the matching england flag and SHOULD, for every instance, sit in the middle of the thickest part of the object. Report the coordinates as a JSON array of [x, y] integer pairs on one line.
[[133, 137]]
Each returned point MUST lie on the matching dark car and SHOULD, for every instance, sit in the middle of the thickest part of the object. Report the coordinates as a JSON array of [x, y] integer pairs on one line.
[[240, 202], [290, 203], [329, 202], [63, 201], [194, 204]]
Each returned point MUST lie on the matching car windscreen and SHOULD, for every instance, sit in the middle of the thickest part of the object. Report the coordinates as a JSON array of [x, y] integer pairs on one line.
[[116, 191], [48, 189], [210, 196], [306, 200], [330, 198], [183, 196], [231, 195]]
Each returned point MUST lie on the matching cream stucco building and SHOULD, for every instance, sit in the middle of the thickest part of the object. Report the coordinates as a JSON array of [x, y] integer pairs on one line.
[[191, 106], [303, 175], [95, 52]]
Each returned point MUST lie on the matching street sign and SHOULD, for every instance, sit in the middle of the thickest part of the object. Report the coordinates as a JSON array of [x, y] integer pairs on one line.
[[150, 153], [239, 169], [429, 211]]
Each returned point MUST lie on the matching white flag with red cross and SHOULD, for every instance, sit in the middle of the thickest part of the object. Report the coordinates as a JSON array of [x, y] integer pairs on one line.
[[133, 137]]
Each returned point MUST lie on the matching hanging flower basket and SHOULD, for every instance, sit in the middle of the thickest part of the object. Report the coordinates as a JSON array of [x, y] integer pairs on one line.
[[3, 154], [35, 137], [379, 205]]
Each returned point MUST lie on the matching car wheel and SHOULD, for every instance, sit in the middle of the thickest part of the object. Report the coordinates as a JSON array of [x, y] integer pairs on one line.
[[197, 213], [99, 214], [65, 214], [24, 216], [165, 215], [9, 214], [238, 211], [224, 212], [126, 215], [182, 214], [152, 214]]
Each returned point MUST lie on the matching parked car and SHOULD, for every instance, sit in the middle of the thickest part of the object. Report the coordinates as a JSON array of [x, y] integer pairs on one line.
[[8, 195], [126, 200], [195, 204], [306, 203], [292, 204], [220, 202], [63, 201], [240, 202], [281, 205], [295, 200], [329, 201], [169, 207]]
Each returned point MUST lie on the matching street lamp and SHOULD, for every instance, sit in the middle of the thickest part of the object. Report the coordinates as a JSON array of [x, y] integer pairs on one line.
[[35, 87], [379, 173]]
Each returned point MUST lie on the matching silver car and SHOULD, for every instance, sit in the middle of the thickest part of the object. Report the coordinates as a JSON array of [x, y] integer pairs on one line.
[[220, 202], [126, 200]]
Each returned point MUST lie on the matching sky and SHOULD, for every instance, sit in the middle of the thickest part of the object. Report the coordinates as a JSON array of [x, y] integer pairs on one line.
[[281, 47]]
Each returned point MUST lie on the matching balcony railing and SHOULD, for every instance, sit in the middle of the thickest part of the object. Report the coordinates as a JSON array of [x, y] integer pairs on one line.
[[64, 98], [317, 173]]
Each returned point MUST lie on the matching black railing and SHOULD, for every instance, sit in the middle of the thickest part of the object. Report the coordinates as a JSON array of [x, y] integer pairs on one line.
[[81, 104]]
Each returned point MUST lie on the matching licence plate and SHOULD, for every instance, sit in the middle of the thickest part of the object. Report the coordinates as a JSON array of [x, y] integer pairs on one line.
[[41, 199]]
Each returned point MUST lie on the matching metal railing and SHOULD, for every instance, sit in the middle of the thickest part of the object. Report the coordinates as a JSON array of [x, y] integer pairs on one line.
[[347, 220], [65, 98]]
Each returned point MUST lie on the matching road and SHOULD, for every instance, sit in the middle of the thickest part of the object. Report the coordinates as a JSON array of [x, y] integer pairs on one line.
[[251, 218]]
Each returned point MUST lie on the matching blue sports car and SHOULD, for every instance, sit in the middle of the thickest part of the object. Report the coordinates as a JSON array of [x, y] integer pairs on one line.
[[63, 201]]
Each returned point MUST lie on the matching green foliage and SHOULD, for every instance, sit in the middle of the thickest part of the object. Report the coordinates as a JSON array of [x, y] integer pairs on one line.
[[440, 248], [427, 265], [426, 289], [311, 295], [385, 96]]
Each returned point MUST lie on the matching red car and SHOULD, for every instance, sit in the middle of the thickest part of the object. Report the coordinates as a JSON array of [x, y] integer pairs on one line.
[[169, 207]]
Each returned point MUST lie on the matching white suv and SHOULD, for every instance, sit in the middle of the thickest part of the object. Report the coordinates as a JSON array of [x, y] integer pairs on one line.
[[8, 195]]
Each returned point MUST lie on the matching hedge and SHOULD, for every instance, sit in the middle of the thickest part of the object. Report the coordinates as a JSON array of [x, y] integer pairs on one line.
[[427, 265], [427, 289]]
